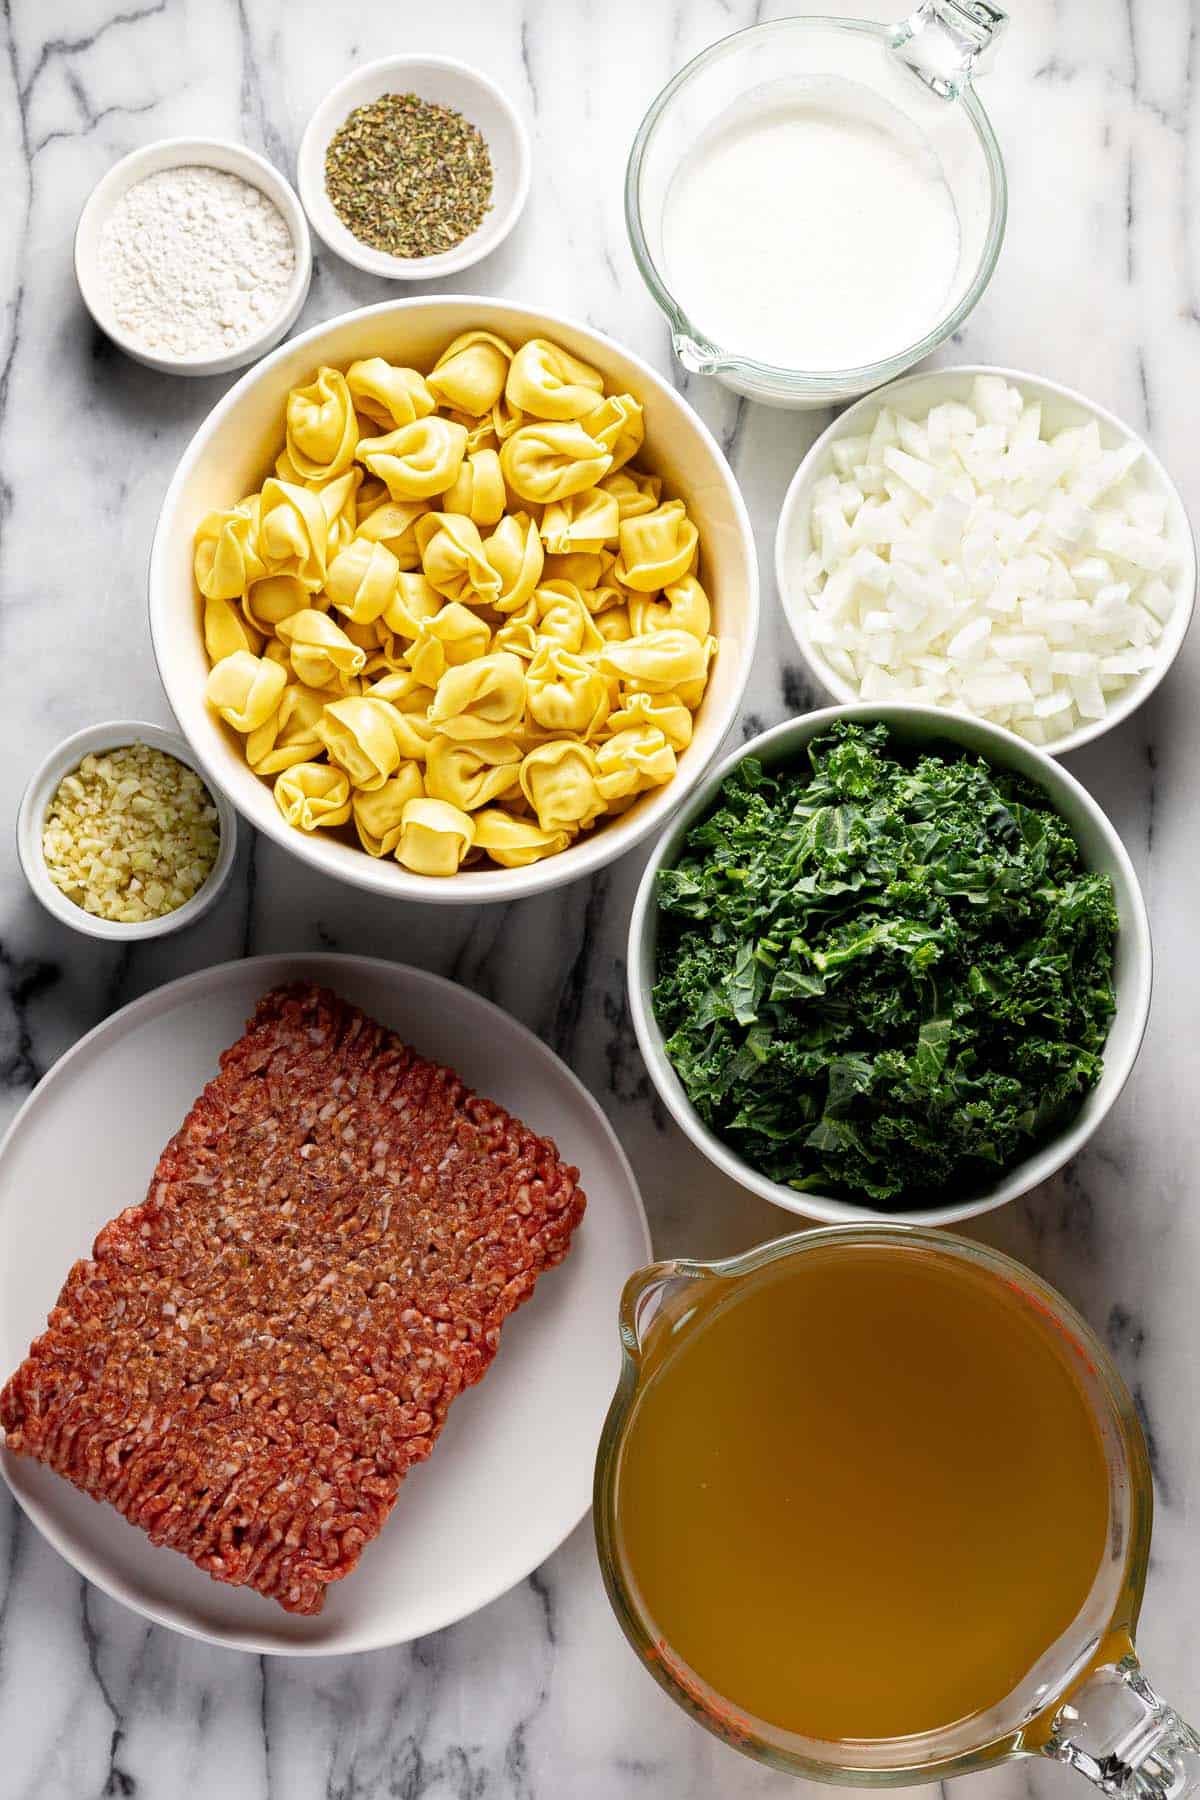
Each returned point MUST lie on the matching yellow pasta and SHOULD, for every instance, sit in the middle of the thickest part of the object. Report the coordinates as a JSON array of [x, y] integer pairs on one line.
[[361, 580], [514, 842], [479, 489], [360, 737], [566, 692], [613, 623], [454, 560], [293, 533], [586, 570], [226, 631], [632, 760], [226, 555], [560, 780], [394, 524], [481, 432], [664, 711], [289, 736], [634, 492], [322, 432], [379, 815], [311, 795], [453, 637], [656, 661], [245, 689], [434, 837], [472, 775], [339, 498], [470, 373], [480, 699], [413, 604], [387, 395], [416, 461], [550, 383], [585, 521], [457, 623], [321, 654], [515, 552], [546, 462], [617, 423], [683, 607], [277, 597], [555, 613], [657, 548]]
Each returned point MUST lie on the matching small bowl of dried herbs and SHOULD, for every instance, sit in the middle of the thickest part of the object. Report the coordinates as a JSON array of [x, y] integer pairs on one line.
[[889, 961], [414, 167]]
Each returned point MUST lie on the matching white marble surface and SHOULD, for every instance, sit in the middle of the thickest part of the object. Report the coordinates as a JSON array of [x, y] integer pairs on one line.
[[1097, 106]]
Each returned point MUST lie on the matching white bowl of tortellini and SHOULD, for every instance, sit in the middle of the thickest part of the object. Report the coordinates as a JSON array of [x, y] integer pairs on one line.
[[454, 599]]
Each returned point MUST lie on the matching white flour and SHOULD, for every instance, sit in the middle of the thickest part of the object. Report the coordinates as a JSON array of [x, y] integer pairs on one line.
[[195, 260]]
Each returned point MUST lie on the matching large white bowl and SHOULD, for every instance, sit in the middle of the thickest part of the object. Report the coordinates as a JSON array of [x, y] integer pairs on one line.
[[232, 453], [1062, 407], [1101, 848]]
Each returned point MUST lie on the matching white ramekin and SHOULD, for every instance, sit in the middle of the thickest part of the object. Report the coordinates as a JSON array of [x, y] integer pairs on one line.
[[234, 450], [1101, 848], [114, 734], [913, 395], [441, 81], [174, 153]]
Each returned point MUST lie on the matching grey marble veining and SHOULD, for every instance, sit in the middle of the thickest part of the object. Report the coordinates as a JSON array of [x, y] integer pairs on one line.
[[1096, 105]]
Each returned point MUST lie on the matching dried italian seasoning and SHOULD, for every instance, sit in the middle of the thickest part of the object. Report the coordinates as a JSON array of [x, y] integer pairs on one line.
[[408, 177]]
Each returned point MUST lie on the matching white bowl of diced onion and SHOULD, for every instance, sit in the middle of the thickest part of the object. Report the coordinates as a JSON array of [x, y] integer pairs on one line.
[[992, 543]]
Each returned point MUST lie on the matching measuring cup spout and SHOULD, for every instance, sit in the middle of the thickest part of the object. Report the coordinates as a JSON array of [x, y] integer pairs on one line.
[[697, 358]]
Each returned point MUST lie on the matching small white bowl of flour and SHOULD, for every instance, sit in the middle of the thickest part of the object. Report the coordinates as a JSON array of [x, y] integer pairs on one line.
[[193, 255]]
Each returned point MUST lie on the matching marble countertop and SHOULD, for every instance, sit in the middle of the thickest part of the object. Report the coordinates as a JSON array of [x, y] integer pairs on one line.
[[1097, 106]]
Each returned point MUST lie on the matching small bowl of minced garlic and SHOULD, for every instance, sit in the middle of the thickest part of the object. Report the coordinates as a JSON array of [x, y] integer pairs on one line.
[[193, 255], [120, 836]]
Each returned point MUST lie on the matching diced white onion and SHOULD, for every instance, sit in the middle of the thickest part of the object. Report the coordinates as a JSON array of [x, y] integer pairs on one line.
[[966, 559]]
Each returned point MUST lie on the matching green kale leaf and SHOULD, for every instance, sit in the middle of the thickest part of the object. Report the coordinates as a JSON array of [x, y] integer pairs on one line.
[[885, 976]]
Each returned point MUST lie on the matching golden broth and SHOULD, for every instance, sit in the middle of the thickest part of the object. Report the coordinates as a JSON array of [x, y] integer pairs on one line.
[[861, 1493]]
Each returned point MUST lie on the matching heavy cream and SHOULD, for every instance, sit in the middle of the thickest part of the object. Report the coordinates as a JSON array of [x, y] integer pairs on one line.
[[814, 232]]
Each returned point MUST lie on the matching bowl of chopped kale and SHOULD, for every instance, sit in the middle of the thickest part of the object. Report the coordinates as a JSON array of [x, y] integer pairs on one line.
[[889, 960]]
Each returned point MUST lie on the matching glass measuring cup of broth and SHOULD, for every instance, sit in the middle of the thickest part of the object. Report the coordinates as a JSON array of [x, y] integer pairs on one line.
[[873, 1505], [817, 203]]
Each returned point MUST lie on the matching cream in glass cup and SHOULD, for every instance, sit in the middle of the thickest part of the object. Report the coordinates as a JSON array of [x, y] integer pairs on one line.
[[1079, 1697], [817, 203]]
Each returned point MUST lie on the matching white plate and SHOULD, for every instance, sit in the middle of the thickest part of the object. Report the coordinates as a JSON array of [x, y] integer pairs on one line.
[[512, 1472]]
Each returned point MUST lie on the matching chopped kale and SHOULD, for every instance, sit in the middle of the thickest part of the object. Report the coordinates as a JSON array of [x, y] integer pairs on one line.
[[886, 977]]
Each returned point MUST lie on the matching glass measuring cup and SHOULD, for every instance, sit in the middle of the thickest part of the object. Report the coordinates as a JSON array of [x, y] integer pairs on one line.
[[1085, 1702], [920, 70]]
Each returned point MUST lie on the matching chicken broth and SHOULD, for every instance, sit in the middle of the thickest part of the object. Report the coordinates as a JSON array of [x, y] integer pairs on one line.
[[861, 1493]]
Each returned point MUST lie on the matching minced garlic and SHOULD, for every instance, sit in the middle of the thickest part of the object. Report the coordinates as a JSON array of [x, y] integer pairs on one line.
[[130, 834]]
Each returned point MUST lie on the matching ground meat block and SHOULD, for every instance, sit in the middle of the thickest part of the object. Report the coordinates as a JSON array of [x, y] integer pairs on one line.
[[254, 1358]]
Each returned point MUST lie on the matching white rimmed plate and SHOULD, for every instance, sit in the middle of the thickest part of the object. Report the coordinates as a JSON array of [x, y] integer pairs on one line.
[[511, 1475]]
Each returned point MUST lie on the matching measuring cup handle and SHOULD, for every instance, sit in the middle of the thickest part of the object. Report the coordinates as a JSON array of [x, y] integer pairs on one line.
[[645, 1295], [1128, 1742], [946, 42]]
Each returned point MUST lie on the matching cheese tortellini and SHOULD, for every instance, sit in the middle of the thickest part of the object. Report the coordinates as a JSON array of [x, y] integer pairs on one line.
[[321, 427], [457, 624]]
